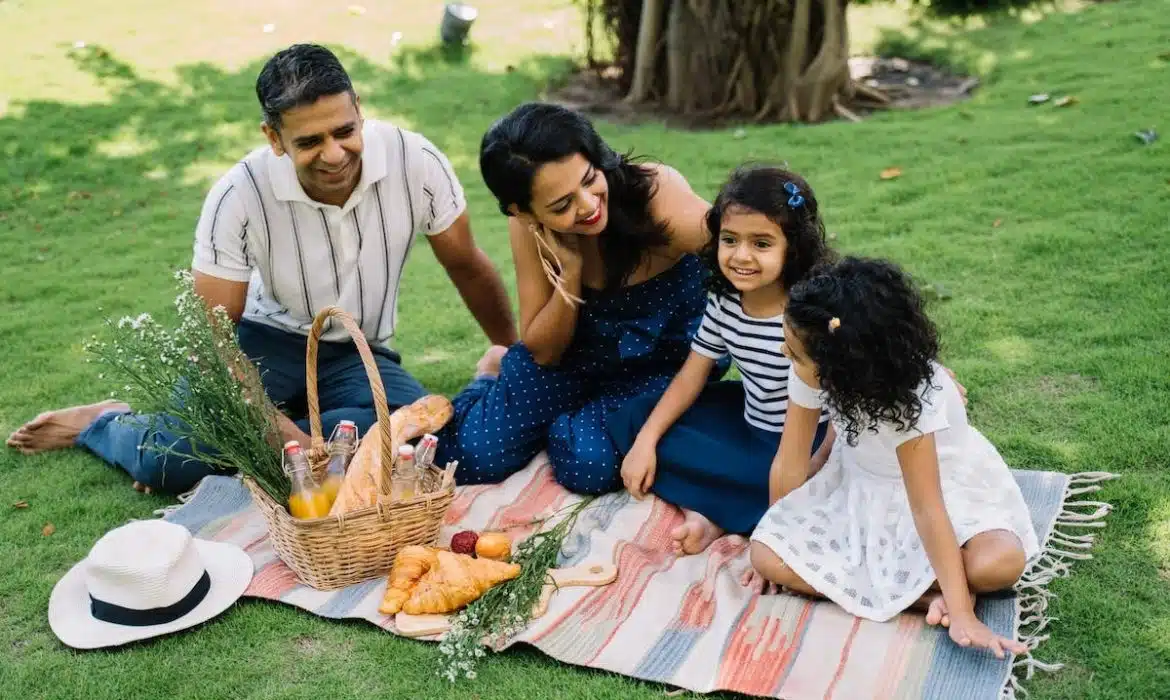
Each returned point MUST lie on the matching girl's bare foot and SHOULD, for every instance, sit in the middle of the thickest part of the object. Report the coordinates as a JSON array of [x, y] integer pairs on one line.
[[937, 613], [695, 534], [489, 364], [55, 430], [753, 581]]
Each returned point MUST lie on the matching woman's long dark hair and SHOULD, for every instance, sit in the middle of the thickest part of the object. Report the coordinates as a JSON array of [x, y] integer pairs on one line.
[[865, 327], [536, 133]]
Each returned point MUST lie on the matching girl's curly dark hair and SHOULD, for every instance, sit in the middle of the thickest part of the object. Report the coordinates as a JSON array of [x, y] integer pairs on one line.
[[871, 364], [761, 189]]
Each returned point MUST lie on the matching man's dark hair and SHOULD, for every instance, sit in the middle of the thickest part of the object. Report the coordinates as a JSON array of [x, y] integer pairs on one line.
[[297, 76]]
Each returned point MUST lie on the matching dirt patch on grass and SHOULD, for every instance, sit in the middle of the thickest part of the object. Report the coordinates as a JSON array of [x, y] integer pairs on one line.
[[908, 84], [1063, 386]]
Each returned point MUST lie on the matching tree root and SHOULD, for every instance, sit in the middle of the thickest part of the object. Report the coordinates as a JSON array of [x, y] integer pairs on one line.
[[763, 60]]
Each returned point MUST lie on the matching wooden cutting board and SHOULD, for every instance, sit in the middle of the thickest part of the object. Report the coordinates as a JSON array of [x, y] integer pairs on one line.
[[584, 575]]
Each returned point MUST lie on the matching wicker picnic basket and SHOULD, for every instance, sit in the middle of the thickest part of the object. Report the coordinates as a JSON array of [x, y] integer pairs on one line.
[[336, 551]]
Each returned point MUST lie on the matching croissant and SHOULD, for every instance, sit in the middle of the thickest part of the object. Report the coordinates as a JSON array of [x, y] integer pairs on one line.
[[409, 566], [455, 581]]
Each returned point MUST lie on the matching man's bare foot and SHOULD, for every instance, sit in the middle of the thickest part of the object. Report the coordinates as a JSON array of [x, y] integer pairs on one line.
[[695, 534], [489, 364], [54, 430], [937, 612]]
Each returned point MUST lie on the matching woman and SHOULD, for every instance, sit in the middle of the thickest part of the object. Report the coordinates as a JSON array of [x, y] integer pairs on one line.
[[610, 293]]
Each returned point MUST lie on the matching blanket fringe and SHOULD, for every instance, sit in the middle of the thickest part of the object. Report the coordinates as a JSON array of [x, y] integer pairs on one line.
[[183, 499], [1062, 549]]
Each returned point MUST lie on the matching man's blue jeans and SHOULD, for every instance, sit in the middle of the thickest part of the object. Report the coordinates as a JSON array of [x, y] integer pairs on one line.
[[126, 439]]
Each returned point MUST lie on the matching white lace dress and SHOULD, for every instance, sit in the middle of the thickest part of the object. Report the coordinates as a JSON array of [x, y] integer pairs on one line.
[[849, 531]]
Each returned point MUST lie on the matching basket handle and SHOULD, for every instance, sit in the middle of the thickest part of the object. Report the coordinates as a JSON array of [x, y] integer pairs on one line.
[[376, 387]]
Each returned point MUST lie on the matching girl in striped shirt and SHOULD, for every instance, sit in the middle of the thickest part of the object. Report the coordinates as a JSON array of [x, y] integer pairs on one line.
[[705, 446]]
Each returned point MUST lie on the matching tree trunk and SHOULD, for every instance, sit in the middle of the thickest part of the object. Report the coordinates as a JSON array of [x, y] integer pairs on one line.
[[763, 60], [676, 59], [646, 53]]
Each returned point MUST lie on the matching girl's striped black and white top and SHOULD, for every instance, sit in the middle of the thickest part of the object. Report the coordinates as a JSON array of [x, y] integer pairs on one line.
[[754, 346], [299, 255]]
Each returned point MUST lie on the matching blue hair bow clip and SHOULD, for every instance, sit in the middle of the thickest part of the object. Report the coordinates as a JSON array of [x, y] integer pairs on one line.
[[796, 200]]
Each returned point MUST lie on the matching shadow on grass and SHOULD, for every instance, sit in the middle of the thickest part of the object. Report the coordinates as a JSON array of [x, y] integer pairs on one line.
[[110, 191], [973, 45], [55, 146]]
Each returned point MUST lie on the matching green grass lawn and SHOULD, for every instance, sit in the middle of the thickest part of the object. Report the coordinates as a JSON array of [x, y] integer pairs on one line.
[[1048, 228]]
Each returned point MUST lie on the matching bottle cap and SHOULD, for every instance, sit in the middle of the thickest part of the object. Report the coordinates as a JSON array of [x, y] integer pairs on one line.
[[292, 446]]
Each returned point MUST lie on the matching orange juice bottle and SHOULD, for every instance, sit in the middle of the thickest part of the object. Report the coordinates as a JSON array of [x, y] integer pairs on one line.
[[307, 500], [404, 478], [341, 447]]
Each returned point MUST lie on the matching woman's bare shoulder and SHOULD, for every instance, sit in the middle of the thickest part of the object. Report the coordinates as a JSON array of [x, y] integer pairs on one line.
[[676, 204]]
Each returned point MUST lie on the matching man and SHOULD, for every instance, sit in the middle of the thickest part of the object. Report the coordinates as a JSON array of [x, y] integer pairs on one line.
[[326, 214]]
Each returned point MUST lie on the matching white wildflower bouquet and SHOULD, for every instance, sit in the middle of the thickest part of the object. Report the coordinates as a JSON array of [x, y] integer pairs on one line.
[[197, 384]]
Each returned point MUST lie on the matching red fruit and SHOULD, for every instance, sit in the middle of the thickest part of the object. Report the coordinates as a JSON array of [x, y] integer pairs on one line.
[[464, 542]]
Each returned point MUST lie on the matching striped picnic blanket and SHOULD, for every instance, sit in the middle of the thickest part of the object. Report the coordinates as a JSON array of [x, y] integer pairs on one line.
[[688, 621]]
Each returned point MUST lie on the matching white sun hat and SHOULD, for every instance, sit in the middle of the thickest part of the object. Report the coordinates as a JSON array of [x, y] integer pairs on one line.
[[145, 579]]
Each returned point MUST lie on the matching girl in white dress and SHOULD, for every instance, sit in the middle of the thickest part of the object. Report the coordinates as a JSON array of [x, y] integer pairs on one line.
[[914, 507]]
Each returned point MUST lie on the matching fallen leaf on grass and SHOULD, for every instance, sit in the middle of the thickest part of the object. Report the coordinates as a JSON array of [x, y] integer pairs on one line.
[[936, 291], [1038, 99], [997, 223], [48, 529], [1146, 136], [20, 504], [1065, 101], [891, 173]]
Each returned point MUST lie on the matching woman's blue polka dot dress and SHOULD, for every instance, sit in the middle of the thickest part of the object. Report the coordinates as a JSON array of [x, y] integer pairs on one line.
[[628, 342]]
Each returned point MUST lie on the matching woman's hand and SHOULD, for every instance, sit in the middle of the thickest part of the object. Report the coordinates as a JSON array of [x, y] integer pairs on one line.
[[639, 467], [967, 631], [561, 250]]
